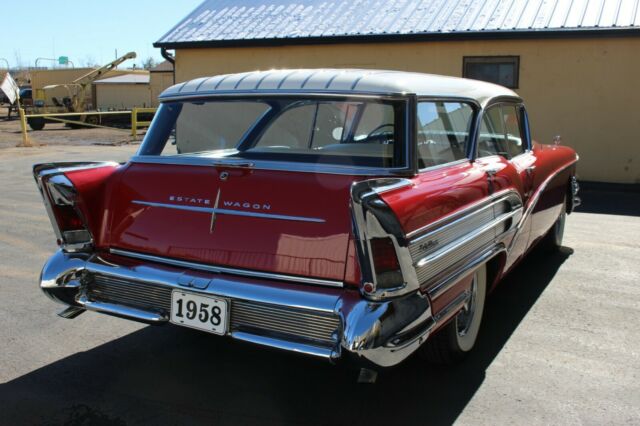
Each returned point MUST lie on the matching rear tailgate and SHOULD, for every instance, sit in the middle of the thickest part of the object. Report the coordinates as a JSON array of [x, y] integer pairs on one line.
[[273, 221]]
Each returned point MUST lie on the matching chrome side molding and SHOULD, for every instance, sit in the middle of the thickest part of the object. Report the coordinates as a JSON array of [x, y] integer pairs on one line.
[[449, 249], [227, 270], [229, 212]]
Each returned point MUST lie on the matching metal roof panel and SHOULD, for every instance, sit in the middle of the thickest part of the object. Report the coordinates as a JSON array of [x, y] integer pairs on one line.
[[247, 20]]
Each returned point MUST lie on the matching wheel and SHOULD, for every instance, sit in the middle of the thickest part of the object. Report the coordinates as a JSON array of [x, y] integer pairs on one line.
[[93, 120], [454, 342], [36, 123], [553, 240]]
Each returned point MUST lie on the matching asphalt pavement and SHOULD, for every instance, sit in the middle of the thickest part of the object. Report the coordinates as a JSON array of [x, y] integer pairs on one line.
[[560, 342]]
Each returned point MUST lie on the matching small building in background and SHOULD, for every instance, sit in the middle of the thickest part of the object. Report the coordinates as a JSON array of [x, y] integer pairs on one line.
[[574, 62], [161, 78], [123, 92]]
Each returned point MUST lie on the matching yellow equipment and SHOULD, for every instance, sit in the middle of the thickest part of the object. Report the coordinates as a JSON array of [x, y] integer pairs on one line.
[[77, 90]]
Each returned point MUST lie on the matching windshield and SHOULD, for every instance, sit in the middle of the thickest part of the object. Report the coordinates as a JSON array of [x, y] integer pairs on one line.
[[347, 131]]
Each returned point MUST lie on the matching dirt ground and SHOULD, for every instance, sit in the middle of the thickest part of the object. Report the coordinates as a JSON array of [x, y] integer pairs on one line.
[[59, 134]]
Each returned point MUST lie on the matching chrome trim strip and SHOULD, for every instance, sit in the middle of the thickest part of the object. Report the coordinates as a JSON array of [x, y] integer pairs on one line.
[[491, 200], [452, 307], [462, 241], [283, 166], [383, 185], [229, 212], [535, 197], [533, 201], [225, 270], [443, 165], [59, 168], [453, 278], [121, 311], [188, 96], [301, 348]]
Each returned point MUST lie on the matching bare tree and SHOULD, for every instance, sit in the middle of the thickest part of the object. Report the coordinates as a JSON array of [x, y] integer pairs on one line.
[[149, 63], [18, 59], [89, 62]]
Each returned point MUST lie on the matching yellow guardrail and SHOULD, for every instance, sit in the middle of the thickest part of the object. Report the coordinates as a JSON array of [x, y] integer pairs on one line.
[[60, 118], [23, 125], [135, 123]]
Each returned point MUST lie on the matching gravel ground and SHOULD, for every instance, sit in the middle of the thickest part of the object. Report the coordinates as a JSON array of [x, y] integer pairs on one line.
[[560, 342], [58, 134]]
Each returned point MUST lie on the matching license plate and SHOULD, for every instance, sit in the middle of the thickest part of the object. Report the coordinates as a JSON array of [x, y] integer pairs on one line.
[[201, 312]]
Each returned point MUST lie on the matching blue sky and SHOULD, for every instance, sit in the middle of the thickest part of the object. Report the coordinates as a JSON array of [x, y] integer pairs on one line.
[[86, 31]]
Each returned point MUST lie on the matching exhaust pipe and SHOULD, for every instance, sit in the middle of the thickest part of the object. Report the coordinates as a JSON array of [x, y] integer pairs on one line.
[[71, 312]]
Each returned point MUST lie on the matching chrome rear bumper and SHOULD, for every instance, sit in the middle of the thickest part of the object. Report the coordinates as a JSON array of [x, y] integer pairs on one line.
[[324, 322]]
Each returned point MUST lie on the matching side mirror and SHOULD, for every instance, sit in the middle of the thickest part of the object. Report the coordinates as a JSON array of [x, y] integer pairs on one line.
[[557, 140]]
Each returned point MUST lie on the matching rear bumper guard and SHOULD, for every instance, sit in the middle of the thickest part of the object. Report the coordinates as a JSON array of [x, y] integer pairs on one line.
[[323, 322]]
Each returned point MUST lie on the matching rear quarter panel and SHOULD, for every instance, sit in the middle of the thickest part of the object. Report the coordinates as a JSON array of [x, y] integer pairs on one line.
[[435, 194]]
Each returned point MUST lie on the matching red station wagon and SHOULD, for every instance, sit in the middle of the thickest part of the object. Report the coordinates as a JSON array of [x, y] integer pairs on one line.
[[336, 213]]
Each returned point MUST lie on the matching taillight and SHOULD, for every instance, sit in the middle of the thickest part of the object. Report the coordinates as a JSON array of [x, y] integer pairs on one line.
[[385, 264], [70, 226], [384, 255]]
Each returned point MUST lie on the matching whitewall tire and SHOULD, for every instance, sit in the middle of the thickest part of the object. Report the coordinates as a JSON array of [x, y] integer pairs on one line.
[[454, 341]]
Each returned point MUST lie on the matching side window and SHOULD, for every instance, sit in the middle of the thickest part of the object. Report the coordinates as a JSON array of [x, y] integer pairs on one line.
[[210, 126], [292, 129], [376, 120], [503, 70], [500, 132], [513, 127], [443, 132]]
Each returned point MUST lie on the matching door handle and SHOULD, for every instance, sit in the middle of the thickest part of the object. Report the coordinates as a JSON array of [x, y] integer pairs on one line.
[[530, 170], [492, 171]]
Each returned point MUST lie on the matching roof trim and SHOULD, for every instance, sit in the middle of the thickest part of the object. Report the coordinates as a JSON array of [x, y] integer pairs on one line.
[[556, 33], [336, 82]]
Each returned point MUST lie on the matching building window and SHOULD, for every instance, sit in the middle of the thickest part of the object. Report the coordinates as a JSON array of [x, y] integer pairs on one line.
[[502, 70]]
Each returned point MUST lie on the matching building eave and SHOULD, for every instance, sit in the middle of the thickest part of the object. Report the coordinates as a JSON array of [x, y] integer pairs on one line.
[[414, 37]]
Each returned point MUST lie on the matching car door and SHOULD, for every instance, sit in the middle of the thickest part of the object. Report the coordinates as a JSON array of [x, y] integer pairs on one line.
[[504, 153]]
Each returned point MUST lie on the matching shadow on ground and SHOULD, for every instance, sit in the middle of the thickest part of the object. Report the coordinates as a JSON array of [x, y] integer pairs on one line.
[[168, 375], [616, 199]]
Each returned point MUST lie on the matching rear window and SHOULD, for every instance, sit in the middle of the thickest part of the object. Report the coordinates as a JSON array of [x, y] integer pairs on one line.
[[443, 132], [345, 132]]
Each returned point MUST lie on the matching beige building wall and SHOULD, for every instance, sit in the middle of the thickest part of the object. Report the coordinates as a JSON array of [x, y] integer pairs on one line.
[[159, 82], [122, 96], [585, 90]]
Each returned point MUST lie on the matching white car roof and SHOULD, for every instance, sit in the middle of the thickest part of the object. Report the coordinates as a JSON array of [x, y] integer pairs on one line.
[[344, 81]]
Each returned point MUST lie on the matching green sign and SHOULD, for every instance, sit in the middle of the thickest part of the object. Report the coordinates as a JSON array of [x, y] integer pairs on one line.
[[63, 60]]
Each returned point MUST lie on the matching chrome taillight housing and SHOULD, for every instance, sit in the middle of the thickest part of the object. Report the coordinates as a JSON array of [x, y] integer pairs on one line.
[[387, 268], [69, 224]]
